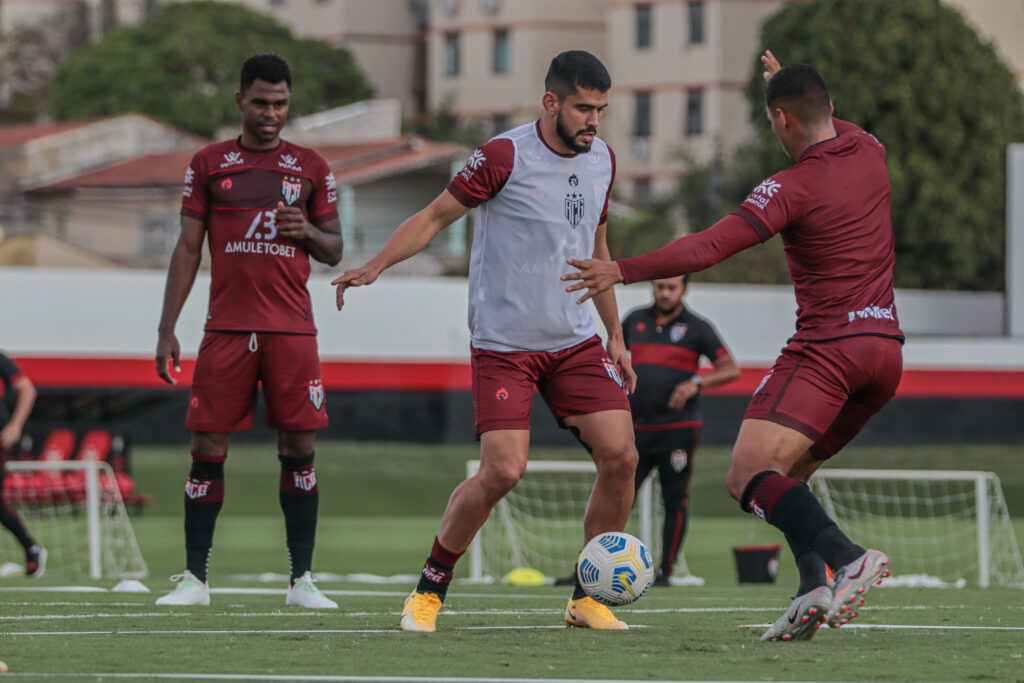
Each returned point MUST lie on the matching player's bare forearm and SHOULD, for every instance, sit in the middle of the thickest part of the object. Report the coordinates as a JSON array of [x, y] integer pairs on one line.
[[181, 275], [22, 409], [724, 371], [411, 237], [324, 243], [608, 309]]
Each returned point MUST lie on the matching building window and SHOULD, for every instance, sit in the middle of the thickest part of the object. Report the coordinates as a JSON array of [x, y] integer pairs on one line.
[[694, 112], [276, 2], [696, 16], [451, 54], [642, 191], [642, 115], [501, 49], [644, 38]]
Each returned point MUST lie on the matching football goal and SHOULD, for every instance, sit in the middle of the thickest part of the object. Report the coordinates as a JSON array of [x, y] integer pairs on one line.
[[74, 509], [539, 524], [951, 527]]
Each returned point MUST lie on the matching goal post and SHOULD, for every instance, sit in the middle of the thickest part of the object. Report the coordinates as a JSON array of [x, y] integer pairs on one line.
[[539, 524], [953, 526], [74, 509]]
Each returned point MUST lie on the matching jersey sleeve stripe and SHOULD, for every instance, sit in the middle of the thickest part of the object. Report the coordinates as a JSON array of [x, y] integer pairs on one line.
[[664, 355], [192, 212], [754, 221], [461, 196]]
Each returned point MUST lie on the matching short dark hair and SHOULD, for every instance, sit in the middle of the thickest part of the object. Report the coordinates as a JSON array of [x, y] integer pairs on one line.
[[686, 279], [800, 89], [265, 67], [576, 69]]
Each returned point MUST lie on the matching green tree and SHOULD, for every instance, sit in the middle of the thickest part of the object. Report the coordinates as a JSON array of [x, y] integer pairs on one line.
[[915, 75], [182, 66]]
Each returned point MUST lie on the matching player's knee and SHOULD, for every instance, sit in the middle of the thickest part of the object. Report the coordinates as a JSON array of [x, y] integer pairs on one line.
[[617, 460], [499, 480]]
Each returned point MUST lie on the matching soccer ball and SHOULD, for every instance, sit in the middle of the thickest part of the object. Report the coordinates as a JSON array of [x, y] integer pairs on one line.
[[615, 568]]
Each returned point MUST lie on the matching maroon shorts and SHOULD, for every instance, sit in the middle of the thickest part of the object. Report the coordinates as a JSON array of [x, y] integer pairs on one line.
[[828, 391], [228, 368], [575, 381]]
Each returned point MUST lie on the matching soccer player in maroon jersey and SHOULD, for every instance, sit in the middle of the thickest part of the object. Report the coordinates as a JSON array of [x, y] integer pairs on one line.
[[845, 360], [666, 341], [542, 191], [11, 424], [265, 205]]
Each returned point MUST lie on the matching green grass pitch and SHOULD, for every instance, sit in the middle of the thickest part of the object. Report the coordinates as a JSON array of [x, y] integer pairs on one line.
[[380, 508]]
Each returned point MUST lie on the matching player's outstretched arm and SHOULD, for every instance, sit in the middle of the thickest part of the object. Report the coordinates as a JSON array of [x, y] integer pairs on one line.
[[181, 274], [409, 239]]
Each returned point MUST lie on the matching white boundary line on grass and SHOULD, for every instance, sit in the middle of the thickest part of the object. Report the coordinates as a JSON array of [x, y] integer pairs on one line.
[[337, 679], [324, 631], [909, 627]]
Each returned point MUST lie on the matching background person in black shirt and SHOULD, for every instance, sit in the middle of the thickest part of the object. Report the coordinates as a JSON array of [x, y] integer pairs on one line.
[[666, 342], [11, 424]]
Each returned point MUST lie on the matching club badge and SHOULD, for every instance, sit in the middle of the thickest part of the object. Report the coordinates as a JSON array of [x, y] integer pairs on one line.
[[316, 393], [291, 188], [677, 332]]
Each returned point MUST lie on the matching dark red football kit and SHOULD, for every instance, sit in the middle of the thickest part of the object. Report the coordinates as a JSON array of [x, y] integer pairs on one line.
[[832, 210], [259, 327]]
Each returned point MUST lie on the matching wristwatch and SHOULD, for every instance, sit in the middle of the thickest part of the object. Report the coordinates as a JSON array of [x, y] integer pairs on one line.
[[698, 381]]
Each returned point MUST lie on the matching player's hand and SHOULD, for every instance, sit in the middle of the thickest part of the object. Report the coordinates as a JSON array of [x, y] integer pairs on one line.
[[290, 222], [357, 277], [618, 354], [167, 349], [771, 65], [596, 276], [683, 392], [10, 435]]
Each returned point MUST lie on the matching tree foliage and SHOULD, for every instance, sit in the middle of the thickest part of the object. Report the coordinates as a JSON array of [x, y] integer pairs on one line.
[[182, 66], [915, 75]]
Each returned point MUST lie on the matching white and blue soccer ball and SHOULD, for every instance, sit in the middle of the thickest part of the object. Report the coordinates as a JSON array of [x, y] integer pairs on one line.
[[615, 568]]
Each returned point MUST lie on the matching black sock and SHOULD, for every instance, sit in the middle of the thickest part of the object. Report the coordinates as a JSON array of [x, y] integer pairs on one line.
[[204, 497], [9, 518], [809, 564], [300, 500], [792, 508], [438, 570], [577, 589]]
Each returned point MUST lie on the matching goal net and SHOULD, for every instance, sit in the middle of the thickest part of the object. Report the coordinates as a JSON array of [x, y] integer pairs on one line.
[[73, 509], [938, 527], [539, 524]]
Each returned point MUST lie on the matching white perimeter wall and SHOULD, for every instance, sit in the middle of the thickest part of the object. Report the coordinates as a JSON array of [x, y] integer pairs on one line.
[[46, 312]]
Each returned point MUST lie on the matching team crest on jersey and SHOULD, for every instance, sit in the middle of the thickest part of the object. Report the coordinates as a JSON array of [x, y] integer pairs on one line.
[[678, 460], [291, 188], [574, 206], [613, 372], [232, 159], [316, 393], [677, 332]]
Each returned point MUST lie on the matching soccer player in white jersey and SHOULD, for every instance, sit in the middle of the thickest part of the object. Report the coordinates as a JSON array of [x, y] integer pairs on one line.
[[542, 191]]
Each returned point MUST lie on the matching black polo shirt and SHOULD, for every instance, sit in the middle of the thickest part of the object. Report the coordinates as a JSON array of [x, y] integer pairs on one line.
[[665, 353]]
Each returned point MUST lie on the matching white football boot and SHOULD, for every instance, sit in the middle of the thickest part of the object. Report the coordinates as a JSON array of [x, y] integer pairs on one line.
[[804, 617], [852, 582], [189, 591], [304, 593]]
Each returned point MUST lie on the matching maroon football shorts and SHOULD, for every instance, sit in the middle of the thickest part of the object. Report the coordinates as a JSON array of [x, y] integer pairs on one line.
[[228, 368], [575, 381], [829, 390]]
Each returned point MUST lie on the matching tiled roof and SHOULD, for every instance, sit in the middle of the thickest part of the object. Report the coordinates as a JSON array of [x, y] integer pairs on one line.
[[20, 133], [352, 164]]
